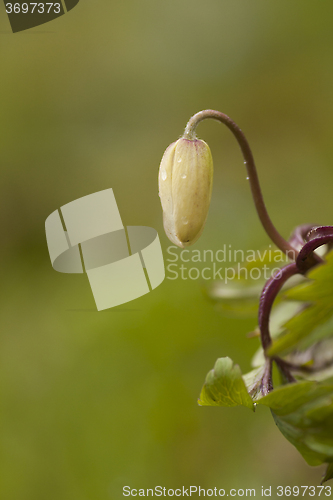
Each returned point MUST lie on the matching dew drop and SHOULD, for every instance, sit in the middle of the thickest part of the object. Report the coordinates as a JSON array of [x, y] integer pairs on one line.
[[183, 176], [184, 220], [247, 178], [179, 160], [163, 175]]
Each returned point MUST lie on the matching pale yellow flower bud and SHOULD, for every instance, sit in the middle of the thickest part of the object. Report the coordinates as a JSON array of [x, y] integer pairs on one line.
[[185, 188]]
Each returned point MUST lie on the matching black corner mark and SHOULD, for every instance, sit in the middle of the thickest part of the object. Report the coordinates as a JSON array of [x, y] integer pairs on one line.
[[24, 15]]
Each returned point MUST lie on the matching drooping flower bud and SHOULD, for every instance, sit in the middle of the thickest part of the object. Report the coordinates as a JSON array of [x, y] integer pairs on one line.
[[185, 188]]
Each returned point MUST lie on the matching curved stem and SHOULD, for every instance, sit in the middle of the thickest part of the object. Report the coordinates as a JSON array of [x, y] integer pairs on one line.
[[319, 231], [317, 237], [270, 229], [269, 293], [306, 259], [299, 235]]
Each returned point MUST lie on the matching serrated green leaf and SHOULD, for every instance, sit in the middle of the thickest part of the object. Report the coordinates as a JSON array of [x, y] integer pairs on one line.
[[303, 412], [317, 295], [288, 398], [319, 287], [224, 386], [319, 333]]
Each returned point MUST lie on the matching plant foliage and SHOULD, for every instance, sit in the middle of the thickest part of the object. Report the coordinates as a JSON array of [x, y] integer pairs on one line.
[[303, 409]]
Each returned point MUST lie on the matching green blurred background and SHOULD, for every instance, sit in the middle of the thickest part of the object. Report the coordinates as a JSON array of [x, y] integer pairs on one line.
[[95, 401]]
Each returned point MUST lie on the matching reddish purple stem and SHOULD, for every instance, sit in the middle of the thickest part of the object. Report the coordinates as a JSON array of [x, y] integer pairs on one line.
[[270, 291], [308, 239], [317, 237]]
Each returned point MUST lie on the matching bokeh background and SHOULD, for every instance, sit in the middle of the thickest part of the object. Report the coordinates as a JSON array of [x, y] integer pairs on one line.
[[95, 401]]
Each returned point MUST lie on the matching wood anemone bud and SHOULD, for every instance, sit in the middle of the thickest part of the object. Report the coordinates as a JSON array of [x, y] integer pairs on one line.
[[185, 188]]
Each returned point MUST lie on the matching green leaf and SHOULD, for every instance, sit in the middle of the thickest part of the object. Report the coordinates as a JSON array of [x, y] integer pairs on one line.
[[303, 412], [329, 473], [224, 386], [288, 398], [308, 327], [319, 333]]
